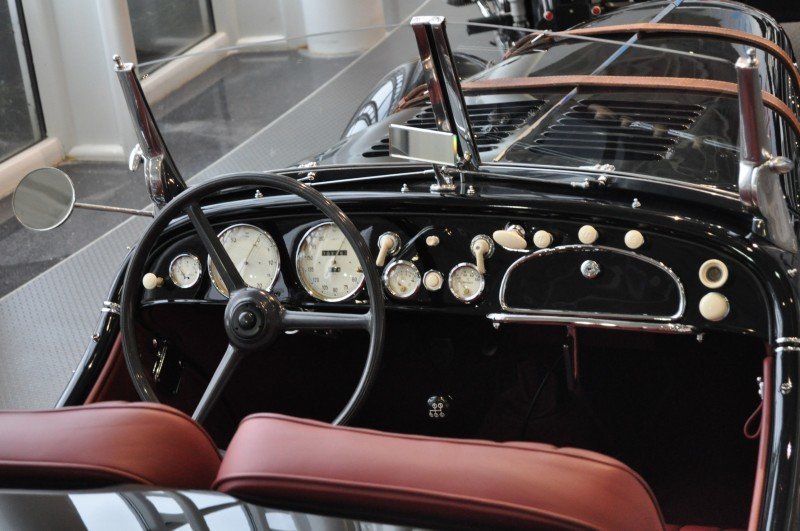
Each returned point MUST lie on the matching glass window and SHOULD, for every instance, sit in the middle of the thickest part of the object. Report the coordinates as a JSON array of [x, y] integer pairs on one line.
[[20, 118], [162, 29]]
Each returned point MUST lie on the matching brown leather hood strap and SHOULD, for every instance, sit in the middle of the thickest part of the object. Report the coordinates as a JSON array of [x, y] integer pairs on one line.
[[680, 84], [688, 29]]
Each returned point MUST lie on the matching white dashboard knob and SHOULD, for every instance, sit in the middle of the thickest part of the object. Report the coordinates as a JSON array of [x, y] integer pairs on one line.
[[151, 281], [634, 239], [510, 239], [713, 273], [432, 240], [588, 235], [542, 239], [714, 306], [433, 280]]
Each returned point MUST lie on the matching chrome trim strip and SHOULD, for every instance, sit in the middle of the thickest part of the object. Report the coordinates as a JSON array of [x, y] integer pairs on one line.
[[302, 279], [593, 315], [785, 340], [611, 324]]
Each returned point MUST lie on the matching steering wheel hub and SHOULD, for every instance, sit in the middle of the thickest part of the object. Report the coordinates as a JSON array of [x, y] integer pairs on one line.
[[252, 318]]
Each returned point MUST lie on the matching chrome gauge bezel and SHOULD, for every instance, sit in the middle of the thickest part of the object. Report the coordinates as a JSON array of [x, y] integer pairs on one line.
[[199, 265], [477, 294], [310, 290], [387, 273], [209, 262]]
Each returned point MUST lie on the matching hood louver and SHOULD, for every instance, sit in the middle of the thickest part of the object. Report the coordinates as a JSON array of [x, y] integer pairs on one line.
[[618, 130], [491, 123]]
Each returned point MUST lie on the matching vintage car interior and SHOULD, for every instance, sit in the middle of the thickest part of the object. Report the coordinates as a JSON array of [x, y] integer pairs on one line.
[[586, 318]]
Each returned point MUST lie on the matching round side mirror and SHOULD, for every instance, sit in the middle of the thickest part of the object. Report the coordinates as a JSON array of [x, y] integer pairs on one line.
[[43, 199]]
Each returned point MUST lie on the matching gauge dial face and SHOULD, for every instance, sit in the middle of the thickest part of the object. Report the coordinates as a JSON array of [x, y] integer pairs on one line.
[[465, 282], [402, 279], [327, 265], [253, 252], [185, 270]]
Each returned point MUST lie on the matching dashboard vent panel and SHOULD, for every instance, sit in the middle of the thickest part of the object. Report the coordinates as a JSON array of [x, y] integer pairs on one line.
[[491, 123], [618, 130]]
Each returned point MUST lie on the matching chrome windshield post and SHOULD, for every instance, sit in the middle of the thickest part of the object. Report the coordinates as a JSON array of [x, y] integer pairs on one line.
[[759, 183], [444, 91], [161, 175]]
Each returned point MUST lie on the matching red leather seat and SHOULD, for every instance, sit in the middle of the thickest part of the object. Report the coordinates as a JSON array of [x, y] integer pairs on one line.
[[305, 464], [102, 444]]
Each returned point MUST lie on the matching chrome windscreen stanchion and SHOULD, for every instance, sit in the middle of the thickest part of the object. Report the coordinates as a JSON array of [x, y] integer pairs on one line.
[[449, 152], [161, 175], [759, 171]]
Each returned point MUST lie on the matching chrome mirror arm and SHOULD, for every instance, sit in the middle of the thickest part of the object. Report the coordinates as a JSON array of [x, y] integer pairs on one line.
[[161, 175], [759, 184]]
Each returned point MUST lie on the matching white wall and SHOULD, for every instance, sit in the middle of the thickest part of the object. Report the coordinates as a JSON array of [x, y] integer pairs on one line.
[[72, 43]]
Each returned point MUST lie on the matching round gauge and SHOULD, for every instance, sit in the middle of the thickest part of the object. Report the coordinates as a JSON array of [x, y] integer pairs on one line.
[[253, 252], [185, 270], [327, 265], [402, 279], [465, 282]]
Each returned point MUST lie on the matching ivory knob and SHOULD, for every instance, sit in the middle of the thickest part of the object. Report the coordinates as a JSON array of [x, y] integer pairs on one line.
[[588, 235], [509, 239], [542, 239], [714, 306], [634, 239], [151, 281]]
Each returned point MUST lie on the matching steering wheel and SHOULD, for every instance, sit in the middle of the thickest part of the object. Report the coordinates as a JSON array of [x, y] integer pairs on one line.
[[253, 317]]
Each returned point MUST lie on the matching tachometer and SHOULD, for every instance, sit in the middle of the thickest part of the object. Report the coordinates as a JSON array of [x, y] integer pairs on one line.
[[253, 252], [466, 282], [326, 264]]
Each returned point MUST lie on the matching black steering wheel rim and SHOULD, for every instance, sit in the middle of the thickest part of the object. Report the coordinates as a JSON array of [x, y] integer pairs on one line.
[[187, 203]]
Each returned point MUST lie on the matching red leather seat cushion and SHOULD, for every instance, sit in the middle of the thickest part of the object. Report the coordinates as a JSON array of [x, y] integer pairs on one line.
[[301, 463], [103, 444]]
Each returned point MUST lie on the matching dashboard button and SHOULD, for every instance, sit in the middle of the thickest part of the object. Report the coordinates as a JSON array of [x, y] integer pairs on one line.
[[713, 274], [588, 235], [633, 239], [433, 280], [542, 239], [714, 306]]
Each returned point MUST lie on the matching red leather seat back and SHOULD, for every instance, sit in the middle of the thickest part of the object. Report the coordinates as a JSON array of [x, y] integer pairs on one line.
[[104, 444], [299, 463]]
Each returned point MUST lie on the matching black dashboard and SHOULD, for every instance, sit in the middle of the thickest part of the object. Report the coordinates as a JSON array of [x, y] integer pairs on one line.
[[588, 272]]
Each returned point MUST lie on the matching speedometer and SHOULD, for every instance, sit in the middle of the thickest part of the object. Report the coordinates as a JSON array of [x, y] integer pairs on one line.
[[326, 264], [253, 252]]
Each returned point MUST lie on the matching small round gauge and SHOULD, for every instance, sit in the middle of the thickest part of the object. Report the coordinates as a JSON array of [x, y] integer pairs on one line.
[[253, 252], [402, 279], [185, 270], [466, 282], [327, 265]]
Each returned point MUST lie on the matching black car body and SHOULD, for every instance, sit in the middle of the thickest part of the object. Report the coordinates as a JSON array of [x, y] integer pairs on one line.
[[657, 294]]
